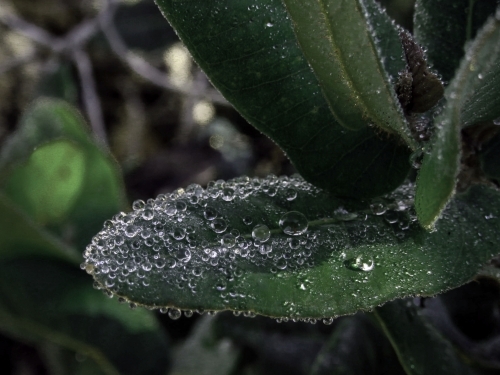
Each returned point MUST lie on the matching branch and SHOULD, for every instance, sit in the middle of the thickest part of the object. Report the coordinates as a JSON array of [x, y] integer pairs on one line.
[[143, 68], [89, 95]]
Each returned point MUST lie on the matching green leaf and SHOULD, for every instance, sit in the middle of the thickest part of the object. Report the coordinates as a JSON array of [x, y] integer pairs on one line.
[[44, 301], [441, 165], [339, 44], [481, 75], [252, 55], [421, 348], [99, 195], [281, 247], [47, 186], [444, 26], [25, 238]]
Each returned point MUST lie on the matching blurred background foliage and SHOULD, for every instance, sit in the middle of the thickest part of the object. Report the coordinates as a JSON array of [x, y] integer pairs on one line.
[[102, 105]]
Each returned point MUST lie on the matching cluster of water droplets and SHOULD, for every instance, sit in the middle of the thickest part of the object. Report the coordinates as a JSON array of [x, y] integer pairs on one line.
[[196, 240]]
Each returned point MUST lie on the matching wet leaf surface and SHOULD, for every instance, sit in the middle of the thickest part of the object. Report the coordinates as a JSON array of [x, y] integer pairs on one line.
[[444, 26], [283, 248], [252, 54], [467, 98]]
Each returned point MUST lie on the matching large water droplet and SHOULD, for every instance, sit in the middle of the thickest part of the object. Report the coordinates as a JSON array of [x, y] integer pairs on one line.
[[218, 225], [174, 314], [261, 233], [361, 263], [210, 213], [293, 223]]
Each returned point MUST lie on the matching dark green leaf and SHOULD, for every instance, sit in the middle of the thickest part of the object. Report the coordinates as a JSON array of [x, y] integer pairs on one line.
[[22, 237], [101, 192], [336, 40], [444, 26], [316, 257], [441, 165], [421, 349], [46, 301], [252, 55], [482, 75]]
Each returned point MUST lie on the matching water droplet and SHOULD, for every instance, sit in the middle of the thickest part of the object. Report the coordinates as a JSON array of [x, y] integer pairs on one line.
[[391, 217], [138, 205], [378, 208], [180, 205], [148, 214], [261, 233], [210, 213], [131, 230], [290, 194], [174, 314], [228, 240], [218, 225], [293, 223], [328, 321], [265, 248], [247, 220], [361, 263], [178, 233], [228, 194], [416, 159]]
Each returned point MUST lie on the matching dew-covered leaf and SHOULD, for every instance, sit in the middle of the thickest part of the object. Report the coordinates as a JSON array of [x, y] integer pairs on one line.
[[100, 191], [281, 247], [339, 43], [421, 348], [48, 184], [441, 164], [42, 301], [21, 236], [482, 75], [444, 26], [280, 82]]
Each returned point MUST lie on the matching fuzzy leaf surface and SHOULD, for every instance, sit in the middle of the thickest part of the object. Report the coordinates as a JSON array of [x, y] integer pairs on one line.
[[441, 165], [316, 257], [444, 26], [261, 57]]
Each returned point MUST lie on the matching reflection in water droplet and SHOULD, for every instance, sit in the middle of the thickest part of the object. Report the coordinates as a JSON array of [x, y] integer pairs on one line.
[[361, 263], [291, 194], [218, 225], [293, 223], [261, 233], [174, 314]]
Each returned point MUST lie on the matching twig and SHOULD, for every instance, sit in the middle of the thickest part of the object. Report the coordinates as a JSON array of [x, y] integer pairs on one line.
[[89, 95], [143, 68]]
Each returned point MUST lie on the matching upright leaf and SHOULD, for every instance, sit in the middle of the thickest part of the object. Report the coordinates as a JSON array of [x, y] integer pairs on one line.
[[482, 76], [252, 55], [283, 248], [441, 164], [337, 41], [444, 26]]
